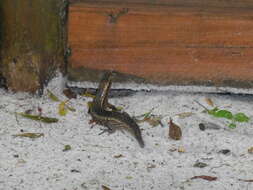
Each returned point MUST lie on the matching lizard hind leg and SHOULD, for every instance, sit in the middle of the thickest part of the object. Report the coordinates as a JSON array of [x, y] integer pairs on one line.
[[111, 127], [109, 130]]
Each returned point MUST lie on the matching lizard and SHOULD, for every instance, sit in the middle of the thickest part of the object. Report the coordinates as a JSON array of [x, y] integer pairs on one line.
[[106, 114]]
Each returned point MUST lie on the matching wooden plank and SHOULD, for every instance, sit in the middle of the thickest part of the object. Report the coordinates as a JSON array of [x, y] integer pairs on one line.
[[179, 3], [164, 44]]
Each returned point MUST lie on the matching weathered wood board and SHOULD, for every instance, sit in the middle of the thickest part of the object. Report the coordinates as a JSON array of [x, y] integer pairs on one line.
[[164, 42]]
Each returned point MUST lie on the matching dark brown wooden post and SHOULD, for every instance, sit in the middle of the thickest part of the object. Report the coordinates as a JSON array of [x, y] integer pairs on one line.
[[33, 37]]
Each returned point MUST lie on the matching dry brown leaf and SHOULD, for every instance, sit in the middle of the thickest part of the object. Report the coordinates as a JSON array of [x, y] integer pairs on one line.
[[173, 149], [20, 162], [105, 188], [205, 177], [29, 111], [246, 180], [181, 149], [250, 150], [69, 94], [209, 102], [174, 131], [184, 115], [153, 120], [118, 156], [151, 166]]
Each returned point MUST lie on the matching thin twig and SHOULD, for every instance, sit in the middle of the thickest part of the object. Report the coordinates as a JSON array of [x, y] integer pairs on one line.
[[201, 105], [218, 167], [16, 117]]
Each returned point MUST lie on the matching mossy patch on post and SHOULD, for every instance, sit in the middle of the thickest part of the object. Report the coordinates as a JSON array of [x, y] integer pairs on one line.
[[33, 42]]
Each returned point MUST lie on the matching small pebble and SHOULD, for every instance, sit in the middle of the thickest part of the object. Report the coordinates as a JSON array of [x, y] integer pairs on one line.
[[75, 171], [200, 165], [225, 151], [202, 127], [208, 125]]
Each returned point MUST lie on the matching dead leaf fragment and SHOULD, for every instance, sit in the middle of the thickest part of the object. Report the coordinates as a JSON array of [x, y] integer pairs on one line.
[[150, 166], [173, 149], [52, 96], [174, 131], [250, 150], [105, 188], [29, 135], [69, 94], [118, 156], [225, 151], [181, 149], [209, 101], [184, 115], [29, 111], [153, 120], [205, 177], [20, 163], [246, 180], [75, 171]]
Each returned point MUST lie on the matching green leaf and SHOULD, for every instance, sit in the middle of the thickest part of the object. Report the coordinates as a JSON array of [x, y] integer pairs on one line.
[[39, 118], [30, 135], [145, 115], [66, 148], [241, 117], [70, 108], [213, 111], [129, 177], [232, 125], [87, 94], [62, 110], [223, 114], [89, 104], [52, 96]]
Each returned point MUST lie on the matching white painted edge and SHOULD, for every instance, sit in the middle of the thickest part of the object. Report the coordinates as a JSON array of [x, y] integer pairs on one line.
[[178, 88]]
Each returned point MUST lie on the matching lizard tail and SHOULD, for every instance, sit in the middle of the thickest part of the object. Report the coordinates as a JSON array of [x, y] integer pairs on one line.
[[139, 137]]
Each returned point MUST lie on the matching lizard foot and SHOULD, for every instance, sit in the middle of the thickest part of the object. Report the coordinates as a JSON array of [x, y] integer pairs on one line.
[[108, 130], [92, 123]]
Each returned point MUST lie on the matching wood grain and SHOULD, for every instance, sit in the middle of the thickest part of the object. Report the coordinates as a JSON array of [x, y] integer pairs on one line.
[[165, 44]]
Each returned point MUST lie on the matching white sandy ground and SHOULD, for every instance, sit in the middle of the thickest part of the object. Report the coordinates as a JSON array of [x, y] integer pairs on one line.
[[41, 164]]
